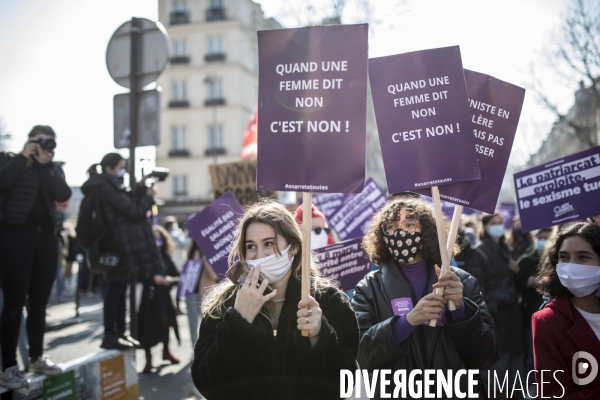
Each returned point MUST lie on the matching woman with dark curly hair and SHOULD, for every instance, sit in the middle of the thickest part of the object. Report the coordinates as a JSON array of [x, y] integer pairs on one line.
[[569, 325], [395, 303]]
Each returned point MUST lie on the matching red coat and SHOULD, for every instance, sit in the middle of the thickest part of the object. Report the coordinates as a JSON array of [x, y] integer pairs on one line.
[[560, 331]]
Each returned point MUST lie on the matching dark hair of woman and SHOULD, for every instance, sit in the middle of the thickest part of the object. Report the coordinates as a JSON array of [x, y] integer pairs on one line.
[[514, 238], [44, 130], [374, 243], [485, 220], [168, 246], [109, 160], [547, 281]]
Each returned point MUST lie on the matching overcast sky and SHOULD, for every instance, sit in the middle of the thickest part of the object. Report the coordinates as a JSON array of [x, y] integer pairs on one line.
[[53, 70]]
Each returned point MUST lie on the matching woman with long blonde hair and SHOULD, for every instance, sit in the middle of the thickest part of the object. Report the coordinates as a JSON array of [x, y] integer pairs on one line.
[[250, 344]]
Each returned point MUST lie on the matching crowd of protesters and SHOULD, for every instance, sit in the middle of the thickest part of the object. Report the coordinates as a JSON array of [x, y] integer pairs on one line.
[[523, 300]]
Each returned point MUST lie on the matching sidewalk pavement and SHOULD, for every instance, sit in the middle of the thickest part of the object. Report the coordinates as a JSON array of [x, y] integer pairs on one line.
[[69, 337]]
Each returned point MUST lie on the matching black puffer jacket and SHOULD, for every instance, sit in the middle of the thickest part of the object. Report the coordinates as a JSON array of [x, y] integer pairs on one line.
[[131, 234], [20, 183], [471, 344], [236, 359], [489, 264]]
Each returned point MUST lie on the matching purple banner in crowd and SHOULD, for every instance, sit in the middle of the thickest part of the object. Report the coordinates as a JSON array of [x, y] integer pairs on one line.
[[312, 108], [190, 273], [329, 203], [496, 108], [508, 211], [346, 262], [560, 191], [423, 119], [353, 218], [212, 229], [448, 208]]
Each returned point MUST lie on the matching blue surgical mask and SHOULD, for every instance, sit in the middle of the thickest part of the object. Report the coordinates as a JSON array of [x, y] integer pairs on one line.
[[541, 245], [496, 231], [121, 173]]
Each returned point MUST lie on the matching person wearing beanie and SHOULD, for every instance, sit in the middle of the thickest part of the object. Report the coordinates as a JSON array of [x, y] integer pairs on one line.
[[320, 235]]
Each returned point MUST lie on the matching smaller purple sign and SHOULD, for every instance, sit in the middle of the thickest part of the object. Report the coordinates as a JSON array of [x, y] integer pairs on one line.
[[345, 262], [560, 191], [402, 306], [448, 208], [508, 213], [188, 280], [423, 119], [329, 203], [212, 229], [353, 218]]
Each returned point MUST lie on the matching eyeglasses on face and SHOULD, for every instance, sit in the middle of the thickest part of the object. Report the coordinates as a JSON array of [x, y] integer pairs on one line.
[[318, 230]]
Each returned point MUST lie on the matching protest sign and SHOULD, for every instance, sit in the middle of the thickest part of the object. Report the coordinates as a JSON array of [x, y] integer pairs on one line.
[[329, 203], [423, 119], [560, 191], [352, 219], [346, 262], [189, 277], [496, 108], [213, 228], [312, 107], [240, 179], [60, 387], [113, 382], [508, 213]]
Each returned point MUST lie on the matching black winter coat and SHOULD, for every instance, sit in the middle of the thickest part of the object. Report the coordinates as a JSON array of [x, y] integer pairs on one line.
[[489, 264], [531, 300], [20, 184], [471, 344], [235, 359], [157, 302], [130, 232]]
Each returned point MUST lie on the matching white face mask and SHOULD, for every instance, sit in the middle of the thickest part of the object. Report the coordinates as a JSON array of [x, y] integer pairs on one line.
[[274, 267], [318, 241], [581, 280]]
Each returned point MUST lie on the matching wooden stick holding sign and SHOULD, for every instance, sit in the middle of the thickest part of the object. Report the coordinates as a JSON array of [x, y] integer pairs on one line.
[[306, 255], [446, 245]]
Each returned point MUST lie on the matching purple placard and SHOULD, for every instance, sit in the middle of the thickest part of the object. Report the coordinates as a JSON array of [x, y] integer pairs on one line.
[[346, 262], [560, 191], [423, 119], [402, 306], [189, 277], [212, 229], [448, 208], [353, 218], [329, 203], [312, 108], [496, 108], [508, 211]]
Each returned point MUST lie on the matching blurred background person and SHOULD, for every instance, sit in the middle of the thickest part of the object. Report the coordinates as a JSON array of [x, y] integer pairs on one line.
[[320, 235], [130, 236], [500, 292], [157, 312], [531, 300], [570, 323], [519, 243], [181, 240], [30, 185]]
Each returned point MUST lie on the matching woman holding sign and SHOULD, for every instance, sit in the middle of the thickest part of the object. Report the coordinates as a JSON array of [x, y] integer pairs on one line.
[[395, 303], [566, 333], [250, 344]]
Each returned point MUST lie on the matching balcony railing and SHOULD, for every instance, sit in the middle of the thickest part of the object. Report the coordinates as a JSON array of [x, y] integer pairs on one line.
[[214, 102], [180, 18], [180, 59], [179, 104], [180, 194], [214, 57], [216, 14], [215, 151], [179, 153]]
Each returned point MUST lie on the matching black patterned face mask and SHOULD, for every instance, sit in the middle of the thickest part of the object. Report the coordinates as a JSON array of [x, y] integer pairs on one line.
[[404, 246]]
